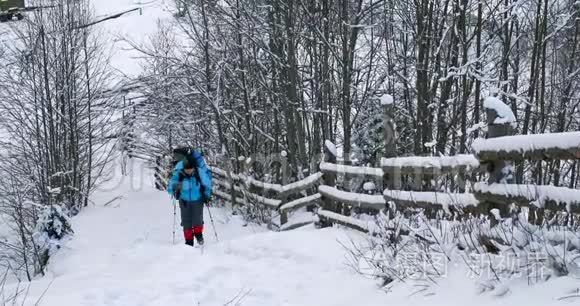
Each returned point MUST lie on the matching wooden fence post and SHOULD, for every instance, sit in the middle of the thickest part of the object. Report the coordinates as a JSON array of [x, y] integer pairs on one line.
[[284, 180], [230, 176], [500, 171], [329, 178], [390, 135], [283, 214], [391, 180]]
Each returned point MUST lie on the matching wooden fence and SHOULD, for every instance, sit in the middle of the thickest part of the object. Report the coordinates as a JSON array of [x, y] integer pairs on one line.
[[495, 197]]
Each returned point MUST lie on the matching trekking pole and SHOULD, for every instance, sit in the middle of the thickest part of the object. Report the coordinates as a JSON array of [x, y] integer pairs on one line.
[[174, 218], [212, 223]]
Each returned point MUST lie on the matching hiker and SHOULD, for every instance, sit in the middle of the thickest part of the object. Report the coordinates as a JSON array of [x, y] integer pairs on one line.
[[191, 185]]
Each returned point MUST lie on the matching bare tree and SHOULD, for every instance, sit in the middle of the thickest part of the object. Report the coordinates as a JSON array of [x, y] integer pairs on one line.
[[56, 117]]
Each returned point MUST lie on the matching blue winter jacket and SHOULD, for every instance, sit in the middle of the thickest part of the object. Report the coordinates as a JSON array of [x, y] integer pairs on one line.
[[190, 187]]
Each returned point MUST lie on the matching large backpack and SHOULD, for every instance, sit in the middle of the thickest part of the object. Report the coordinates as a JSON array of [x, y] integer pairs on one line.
[[180, 154]]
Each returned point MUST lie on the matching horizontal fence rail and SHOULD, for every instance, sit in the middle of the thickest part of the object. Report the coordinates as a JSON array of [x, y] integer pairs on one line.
[[555, 146], [493, 158]]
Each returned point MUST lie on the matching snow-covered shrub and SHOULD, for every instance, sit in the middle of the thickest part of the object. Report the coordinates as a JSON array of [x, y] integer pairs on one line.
[[253, 211], [515, 248], [402, 249], [52, 226], [53, 223], [410, 247]]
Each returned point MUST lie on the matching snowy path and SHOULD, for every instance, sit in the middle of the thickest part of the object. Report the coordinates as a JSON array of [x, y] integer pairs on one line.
[[122, 255]]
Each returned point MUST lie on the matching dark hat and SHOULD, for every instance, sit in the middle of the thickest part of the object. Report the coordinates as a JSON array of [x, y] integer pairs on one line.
[[189, 163]]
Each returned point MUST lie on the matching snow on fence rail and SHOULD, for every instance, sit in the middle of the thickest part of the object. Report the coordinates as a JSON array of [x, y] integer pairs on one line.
[[278, 188], [447, 201], [223, 173], [351, 170], [529, 147], [546, 197], [337, 218], [354, 199], [301, 202], [444, 164], [228, 197], [302, 184], [274, 203], [225, 184]]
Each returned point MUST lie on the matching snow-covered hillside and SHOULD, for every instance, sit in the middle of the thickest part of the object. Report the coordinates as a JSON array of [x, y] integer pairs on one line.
[[135, 27], [122, 254]]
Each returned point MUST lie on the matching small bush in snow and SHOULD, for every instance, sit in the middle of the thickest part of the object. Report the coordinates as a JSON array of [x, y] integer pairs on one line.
[[52, 226], [410, 247], [403, 249]]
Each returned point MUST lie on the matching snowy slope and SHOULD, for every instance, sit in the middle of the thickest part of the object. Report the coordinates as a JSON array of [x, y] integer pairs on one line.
[[122, 254], [135, 27]]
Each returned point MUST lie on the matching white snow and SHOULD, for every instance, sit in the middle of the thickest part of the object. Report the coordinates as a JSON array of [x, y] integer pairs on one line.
[[224, 184], [352, 170], [369, 186], [301, 202], [344, 219], [462, 160], [223, 173], [135, 27], [226, 196], [356, 199], [122, 254], [308, 181], [430, 144], [266, 186], [446, 200], [496, 214], [299, 218], [331, 147], [273, 203], [289, 188], [539, 195], [478, 126], [504, 113], [387, 99], [525, 143]]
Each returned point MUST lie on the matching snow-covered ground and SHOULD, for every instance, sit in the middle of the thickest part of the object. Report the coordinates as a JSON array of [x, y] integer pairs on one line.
[[122, 254], [135, 27]]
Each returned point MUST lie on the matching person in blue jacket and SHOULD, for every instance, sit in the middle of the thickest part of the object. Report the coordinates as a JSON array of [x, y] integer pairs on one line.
[[191, 185]]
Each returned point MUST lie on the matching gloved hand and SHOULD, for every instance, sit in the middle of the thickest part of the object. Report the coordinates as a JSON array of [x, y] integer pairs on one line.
[[206, 200], [177, 193]]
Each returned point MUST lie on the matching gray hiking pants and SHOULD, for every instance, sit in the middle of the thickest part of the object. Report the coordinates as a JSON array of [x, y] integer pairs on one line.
[[191, 214]]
